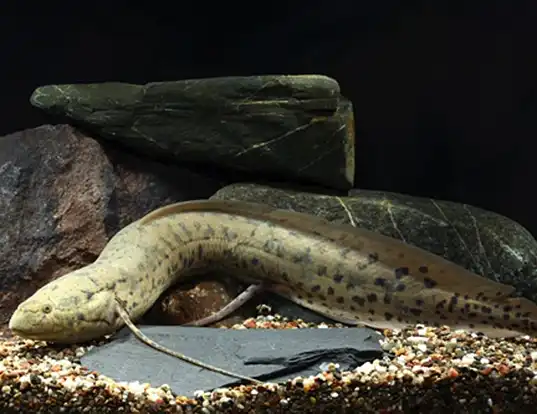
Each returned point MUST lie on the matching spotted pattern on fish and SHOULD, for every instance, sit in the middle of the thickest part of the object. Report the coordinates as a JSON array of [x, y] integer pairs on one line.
[[347, 273]]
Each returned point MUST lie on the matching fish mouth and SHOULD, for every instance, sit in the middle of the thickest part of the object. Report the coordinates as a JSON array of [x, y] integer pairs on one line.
[[20, 333], [29, 334], [29, 331], [43, 336], [55, 335]]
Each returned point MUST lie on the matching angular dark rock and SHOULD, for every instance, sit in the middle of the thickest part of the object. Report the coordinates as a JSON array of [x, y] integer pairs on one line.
[[63, 196], [292, 128], [484, 242]]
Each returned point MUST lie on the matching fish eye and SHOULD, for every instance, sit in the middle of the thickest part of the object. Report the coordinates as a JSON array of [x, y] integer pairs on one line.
[[46, 308]]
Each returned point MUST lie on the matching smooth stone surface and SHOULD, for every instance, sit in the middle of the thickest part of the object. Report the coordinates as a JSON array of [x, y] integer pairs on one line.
[[292, 352], [484, 242], [292, 128]]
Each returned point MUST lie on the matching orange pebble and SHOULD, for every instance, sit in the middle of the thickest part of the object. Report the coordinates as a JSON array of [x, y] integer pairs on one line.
[[453, 373], [249, 323], [503, 369]]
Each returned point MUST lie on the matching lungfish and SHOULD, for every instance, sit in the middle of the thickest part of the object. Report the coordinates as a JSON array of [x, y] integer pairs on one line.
[[346, 273]]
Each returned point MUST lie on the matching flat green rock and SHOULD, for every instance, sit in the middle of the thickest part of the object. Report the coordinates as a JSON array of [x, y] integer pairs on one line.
[[295, 128], [483, 242]]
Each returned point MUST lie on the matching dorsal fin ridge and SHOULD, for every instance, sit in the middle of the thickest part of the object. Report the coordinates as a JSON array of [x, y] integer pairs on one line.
[[222, 206]]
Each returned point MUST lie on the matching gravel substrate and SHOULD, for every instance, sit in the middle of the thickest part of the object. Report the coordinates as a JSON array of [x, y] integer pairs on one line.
[[427, 370]]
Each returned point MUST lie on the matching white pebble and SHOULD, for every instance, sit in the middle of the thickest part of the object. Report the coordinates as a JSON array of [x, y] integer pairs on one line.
[[421, 347], [137, 387], [393, 368], [224, 400], [80, 352], [366, 368], [409, 356], [387, 345], [334, 395], [419, 368], [329, 366], [381, 369], [401, 359], [467, 360], [417, 339], [25, 379], [533, 356]]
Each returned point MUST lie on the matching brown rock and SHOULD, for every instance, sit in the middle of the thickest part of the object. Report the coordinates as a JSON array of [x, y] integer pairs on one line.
[[63, 196], [187, 303]]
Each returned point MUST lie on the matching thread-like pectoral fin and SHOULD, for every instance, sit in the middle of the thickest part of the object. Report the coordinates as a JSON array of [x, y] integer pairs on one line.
[[231, 307]]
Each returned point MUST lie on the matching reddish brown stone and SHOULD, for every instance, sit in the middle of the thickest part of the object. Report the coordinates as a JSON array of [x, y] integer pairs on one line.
[[63, 196], [185, 304]]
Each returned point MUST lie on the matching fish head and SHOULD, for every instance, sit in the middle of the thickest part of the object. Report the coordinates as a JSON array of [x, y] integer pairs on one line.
[[70, 309]]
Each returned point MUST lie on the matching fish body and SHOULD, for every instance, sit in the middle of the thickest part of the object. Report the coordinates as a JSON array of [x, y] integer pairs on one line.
[[346, 273]]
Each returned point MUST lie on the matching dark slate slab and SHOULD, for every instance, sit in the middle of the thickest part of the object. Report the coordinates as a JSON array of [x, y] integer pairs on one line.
[[483, 242], [295, 128], [266, 354]]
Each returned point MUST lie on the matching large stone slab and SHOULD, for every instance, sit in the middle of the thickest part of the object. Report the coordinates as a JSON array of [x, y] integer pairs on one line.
[[481, 241], [293, 128], [281, 354]]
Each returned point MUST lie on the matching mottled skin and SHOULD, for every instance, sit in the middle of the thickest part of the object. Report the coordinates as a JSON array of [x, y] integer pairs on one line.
[[347, 273]]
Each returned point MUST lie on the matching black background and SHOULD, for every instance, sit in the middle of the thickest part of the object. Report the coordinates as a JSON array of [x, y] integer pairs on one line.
[[444, 92]]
